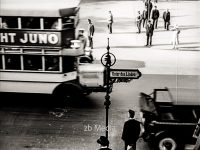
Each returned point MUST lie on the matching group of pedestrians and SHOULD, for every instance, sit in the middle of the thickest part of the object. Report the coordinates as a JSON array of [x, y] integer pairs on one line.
[[148, 19], [91, 31]]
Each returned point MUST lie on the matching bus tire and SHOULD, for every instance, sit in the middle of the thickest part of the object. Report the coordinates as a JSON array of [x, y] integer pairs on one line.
[[68, 92], [166, 140]]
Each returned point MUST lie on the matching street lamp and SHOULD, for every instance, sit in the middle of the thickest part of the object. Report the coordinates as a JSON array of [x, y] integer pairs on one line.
[[106, 61]]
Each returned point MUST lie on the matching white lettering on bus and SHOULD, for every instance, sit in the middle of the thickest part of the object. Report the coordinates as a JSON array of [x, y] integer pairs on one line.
[[53, 38], [42, 38], [8, 37], [25, 38], [33, 38]]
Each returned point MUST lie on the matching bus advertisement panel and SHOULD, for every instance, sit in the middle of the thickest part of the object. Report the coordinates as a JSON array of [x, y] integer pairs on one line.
[[30, 38]]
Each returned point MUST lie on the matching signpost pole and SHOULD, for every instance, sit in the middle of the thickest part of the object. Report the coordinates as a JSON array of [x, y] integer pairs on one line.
[[107, 97]]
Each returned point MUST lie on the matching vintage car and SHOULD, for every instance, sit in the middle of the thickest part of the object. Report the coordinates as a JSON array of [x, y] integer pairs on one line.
[[168, 123]]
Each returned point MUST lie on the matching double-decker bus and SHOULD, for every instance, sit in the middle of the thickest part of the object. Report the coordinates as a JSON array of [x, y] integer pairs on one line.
[[38, 50]]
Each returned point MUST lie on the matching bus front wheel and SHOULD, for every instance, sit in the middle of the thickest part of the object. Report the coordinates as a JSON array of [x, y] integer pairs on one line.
[[68, 93]]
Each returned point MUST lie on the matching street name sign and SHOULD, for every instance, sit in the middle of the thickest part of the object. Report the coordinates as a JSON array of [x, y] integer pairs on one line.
[[124, 73]]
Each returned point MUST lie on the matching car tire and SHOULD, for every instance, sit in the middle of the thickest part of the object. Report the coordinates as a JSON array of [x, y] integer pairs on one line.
[[164, 141]]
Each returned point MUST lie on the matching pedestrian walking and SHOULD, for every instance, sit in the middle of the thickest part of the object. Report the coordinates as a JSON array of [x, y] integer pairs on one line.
[[139, 21], [131, 131], [144, 16], [155, 16], [175, 36], [91, 30], [82, 38], [110, 22], [166, 18], [149, 6], [104, 143], [149, 33]]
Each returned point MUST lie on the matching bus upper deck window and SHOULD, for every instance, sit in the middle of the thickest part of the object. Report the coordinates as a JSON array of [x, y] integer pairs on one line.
[[68, 22], [51, 23], [31, 23], [9, 22], [12, 62]]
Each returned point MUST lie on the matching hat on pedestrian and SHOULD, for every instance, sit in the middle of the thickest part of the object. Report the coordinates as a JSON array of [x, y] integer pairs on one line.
[[103, 141], [131, 112]]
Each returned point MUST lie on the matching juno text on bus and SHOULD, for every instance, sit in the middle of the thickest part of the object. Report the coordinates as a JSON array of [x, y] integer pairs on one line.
[[39, 52]]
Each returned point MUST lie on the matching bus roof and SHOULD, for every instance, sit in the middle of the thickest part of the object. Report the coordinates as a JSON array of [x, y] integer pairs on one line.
[[38, 8]]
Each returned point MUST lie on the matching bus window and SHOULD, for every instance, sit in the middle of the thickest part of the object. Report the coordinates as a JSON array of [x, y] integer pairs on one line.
[[69, 64], [31, 23], [68, 23], [1, 64], [52, 63], [9, 22], [50, 23], [32, 62], [12, 62]]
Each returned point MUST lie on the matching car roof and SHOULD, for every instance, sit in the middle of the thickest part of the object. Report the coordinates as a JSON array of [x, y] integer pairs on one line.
[[180, 96], [38, 8]]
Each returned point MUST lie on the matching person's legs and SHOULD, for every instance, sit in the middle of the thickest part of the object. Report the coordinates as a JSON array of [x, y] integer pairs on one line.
[[91, 40], [156, 22], [110, 27], [140, 26], [167, 25], [143, 22], [147, 40], [150, 39]]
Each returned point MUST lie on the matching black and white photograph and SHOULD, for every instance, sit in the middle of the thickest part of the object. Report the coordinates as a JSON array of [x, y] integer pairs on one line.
[[99, 75]]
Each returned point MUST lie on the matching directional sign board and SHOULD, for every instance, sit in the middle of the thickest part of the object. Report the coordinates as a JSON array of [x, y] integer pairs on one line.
[[123, 73]]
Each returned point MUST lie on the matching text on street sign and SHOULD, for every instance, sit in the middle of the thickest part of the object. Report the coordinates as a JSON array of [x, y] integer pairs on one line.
[[122, 73]]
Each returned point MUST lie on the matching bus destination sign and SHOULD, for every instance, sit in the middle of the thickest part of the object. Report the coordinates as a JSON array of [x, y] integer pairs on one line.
[[123, 73], [30, 38]]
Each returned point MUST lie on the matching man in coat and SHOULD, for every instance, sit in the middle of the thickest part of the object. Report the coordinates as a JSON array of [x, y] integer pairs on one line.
[[149, 6], [90, 33], [82, 38], [155, 16], [131, 131], [149, 32], [166, 18], [139, 21], [144, 16], [110, 22]]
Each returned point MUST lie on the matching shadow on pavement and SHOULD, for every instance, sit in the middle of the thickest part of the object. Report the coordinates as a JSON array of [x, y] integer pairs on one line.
[[41, 103]]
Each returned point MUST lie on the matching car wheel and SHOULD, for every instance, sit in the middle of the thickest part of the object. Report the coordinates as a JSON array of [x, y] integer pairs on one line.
[[167, 143]]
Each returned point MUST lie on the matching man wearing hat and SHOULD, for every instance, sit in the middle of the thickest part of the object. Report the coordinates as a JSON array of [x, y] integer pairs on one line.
[[131, 131], [149, 33], [91, 30], [104, 143]]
